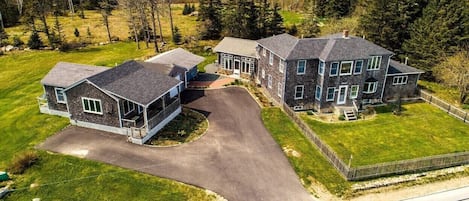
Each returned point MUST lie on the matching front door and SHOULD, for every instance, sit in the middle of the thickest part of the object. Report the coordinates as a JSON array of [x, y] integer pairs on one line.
[[342, 95], [237, 66]]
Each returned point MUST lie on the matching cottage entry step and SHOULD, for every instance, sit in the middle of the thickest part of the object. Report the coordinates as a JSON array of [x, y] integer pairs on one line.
[[350, 115]]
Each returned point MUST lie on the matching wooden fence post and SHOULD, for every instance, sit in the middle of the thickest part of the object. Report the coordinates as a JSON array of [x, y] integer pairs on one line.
[[430, 99], [449, 108], [465, 117]]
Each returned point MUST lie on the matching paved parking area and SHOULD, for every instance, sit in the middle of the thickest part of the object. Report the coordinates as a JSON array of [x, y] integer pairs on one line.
[[237, 158]]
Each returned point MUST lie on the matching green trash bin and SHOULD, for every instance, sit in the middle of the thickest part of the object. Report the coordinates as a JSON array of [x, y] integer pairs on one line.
[[3, 176]]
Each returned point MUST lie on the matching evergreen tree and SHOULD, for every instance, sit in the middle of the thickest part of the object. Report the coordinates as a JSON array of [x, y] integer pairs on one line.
[[276, 22], [438, 32], [17, 42], [76, 33], [251, 21], [211, 20], [35, 41], [386, 22], [177, 36], [293, 30], [337, 8], [186, 9], [192, 8]]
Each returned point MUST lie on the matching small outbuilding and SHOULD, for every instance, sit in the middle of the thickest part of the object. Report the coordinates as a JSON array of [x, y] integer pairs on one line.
[[236, 56]]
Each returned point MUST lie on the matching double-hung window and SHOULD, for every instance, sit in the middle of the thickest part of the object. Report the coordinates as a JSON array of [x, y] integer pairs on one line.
[[374, 62], [263, 74], [370, 87], [334, 68], [399, 80], [321, 68], [346, 67], [91, 105], [271, 58], [318, 92], [60, 95], [330, 94], [279, 89], [354, 91], [269, 81], [301, 67], [358, 67], [281, 66], [299, 89]]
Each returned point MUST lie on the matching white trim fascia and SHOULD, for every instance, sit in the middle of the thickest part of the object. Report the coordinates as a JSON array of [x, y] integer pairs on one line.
[[385, 77], [119, 113], [398, 74]]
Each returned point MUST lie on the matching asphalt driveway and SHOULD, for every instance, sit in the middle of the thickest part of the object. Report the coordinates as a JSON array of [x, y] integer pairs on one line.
[[237, 158]]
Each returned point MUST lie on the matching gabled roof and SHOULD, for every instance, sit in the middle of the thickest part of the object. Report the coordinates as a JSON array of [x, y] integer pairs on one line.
[[329, 48], [396, 67], [237, 46], [134, 82], [65, 74], [179, 57]]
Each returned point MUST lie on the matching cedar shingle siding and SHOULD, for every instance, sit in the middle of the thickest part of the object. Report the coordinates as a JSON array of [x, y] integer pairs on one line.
[[408, 90], [52, 99], [110, 116]]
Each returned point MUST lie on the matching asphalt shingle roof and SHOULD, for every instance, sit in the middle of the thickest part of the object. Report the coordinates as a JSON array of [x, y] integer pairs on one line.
[[396, 67], [167, 69], [179, 57], [65, 74], [329, 48], [134, 82], [237, 46]]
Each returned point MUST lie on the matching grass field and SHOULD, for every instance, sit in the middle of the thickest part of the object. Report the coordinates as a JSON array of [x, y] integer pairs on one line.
[[309, 164], [422, 130], [290, 17], [118, 25], [22, 127]]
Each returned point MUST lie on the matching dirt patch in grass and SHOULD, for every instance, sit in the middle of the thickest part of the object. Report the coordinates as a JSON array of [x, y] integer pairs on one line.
[[186, 127]]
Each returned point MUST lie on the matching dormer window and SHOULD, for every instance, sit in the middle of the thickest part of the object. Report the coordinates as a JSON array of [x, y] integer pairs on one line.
[[374, 62]]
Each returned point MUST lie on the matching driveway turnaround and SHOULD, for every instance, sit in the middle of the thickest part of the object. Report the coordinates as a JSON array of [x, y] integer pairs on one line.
[[237, 158]]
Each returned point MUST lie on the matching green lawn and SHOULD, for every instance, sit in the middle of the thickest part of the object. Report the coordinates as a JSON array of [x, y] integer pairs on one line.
[[310, 163], [22, 127], [290, 17], [422, 130]]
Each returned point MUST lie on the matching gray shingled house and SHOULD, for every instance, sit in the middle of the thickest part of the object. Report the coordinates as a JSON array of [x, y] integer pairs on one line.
[[336, 73], [237, 57], [62, 76], [178, 63], [129, 99]]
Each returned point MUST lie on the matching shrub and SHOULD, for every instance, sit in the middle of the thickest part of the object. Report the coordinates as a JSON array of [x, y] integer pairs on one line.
[[17, 42], [177, 36], [76, 32], [342, 117], [1, 53], [309, 112], [35, 41], [23, 161], [369, 110]]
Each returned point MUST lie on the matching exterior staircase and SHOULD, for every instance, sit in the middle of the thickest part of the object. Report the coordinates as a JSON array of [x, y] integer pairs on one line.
[[350, 115]]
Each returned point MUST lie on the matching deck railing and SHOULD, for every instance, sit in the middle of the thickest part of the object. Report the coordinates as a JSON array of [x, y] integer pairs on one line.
[[169, 109]]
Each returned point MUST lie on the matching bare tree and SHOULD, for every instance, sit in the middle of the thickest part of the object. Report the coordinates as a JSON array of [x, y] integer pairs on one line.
[[454, 72], [153, 10], [106, 9], [171, 19], [130, 7]]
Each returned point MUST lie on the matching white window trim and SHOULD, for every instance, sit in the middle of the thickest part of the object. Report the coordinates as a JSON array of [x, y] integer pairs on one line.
[[321, 67], [269, 81], [298, 67], [400, 80], [336, 70], [333, 94], [91, 99], [279, 89], [373, 64], [271, 58], [355, 66], [263, 74], [302, 91], [281, 66], [375, 87], [351, 67], [351, 90], [345, 94], [316, 92], [63, 94]]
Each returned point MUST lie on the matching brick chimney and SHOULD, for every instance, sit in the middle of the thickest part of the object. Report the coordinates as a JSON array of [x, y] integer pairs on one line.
[[345, 34]]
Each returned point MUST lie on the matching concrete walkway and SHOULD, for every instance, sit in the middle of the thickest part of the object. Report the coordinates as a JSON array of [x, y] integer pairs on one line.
[[237, 158]]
